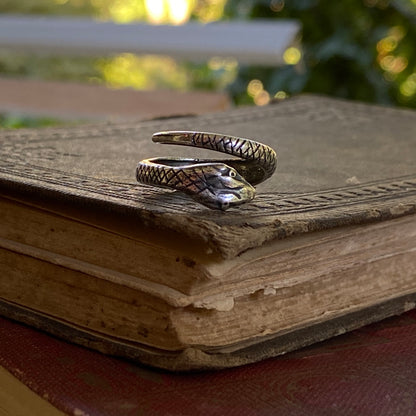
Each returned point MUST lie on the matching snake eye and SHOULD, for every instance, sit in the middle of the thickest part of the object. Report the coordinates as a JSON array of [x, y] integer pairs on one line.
[[225, 205], [232, 174]]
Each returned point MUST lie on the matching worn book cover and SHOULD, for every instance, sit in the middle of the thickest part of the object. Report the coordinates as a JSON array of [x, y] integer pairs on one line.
[[326, 246]]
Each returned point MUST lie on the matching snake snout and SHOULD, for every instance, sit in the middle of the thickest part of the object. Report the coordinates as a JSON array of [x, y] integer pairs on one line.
[[228, 198]]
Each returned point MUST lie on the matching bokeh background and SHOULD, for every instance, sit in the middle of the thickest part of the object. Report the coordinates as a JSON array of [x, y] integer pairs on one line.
[[355, 49]]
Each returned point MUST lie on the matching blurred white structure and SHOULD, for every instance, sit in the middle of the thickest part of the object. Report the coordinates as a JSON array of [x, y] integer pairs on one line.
[[249, 42]]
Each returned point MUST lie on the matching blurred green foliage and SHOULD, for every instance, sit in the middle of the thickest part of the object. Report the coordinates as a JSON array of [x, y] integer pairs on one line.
[[14, 121], [56, 7], [48, 67], [356, 49]]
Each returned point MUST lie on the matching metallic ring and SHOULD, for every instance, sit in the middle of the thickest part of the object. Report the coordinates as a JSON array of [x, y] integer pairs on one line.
[[217, 184]]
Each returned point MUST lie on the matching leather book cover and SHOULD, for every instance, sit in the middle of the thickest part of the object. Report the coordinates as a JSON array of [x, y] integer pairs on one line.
[[368, 372], [339, 163]]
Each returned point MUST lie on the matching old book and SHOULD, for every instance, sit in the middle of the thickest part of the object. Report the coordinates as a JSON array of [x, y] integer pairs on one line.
[[327, 245]]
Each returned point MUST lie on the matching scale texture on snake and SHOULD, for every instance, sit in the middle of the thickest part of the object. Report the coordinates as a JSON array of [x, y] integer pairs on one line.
[[217, 184]]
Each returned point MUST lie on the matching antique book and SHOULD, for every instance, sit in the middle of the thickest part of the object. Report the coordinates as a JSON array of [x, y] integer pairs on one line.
[[327, 245]]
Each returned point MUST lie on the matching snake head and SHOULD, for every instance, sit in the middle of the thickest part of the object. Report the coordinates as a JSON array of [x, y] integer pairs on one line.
[[222, 187]]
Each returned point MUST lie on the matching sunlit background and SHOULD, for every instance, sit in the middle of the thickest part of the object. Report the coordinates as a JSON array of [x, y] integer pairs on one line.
[[361, 49]]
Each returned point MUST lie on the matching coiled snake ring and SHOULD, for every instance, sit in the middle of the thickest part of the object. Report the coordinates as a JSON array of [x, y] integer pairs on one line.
[[217, 184]]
